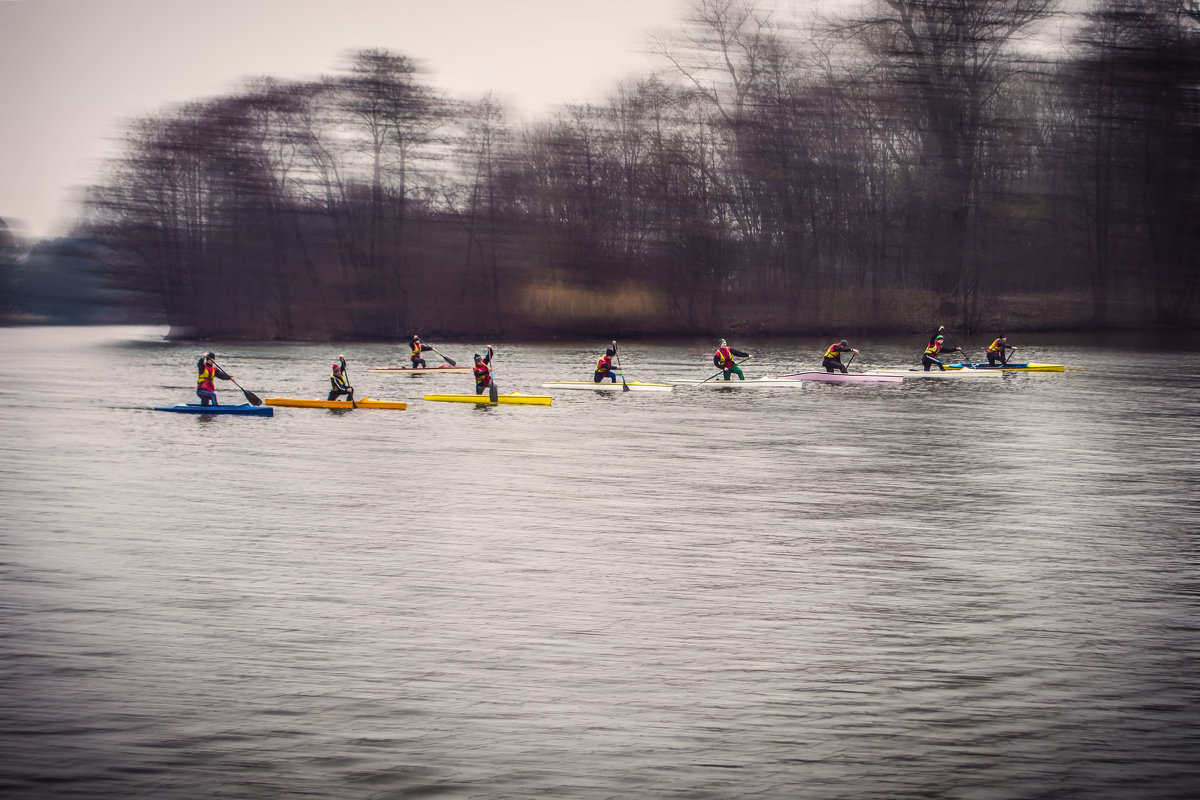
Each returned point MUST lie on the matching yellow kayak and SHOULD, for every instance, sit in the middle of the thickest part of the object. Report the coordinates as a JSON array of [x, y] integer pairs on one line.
[[366, 402], [515, 398]]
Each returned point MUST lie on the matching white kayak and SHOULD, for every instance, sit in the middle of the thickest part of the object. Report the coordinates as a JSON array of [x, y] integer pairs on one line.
[[842, 377], [589, 386], [749, 383], [916, 372]]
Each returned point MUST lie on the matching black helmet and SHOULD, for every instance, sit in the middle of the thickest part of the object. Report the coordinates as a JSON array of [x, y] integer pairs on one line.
[[610, 352], [844, 343], [478, 357]]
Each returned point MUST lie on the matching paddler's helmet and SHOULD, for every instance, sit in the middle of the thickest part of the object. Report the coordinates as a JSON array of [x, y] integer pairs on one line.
[[337, 367], [210, 355], [844, 343], [721, 342], [940, 337], [478, 357], [610, 352]]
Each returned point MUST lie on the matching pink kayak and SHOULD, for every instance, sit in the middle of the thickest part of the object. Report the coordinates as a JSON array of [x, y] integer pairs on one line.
[[841, 377]]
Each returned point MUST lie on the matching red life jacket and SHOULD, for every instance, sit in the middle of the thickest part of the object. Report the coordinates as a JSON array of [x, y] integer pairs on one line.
[[483, 373], [604, 365], [836, 355], [204, 378], [724, 355]]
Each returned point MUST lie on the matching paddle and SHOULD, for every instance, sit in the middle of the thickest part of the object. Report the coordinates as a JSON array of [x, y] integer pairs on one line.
[[621, 372], [736, 363], [254, 399], [851, 361], [350, 396], [449, 361], [493, 394]]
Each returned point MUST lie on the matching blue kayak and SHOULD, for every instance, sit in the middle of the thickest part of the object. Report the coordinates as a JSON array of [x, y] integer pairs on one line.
[[195, 408]]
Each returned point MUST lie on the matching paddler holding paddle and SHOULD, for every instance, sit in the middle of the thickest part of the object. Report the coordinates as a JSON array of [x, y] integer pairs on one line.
[[937, 342], [416, 347], [483, 372], [832, 360], [723, 358], [339, 382], [206, 370], [604, 367], [996, 350]]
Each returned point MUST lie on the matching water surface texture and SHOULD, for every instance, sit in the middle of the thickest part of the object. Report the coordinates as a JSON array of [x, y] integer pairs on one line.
[[939, 589]]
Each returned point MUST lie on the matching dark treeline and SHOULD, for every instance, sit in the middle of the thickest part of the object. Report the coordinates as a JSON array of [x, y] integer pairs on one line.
[[916, 162]]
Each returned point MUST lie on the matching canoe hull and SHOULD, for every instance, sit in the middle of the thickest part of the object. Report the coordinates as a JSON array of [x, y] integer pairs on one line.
[[1030, 367], [937, 373], [366, 402], [842, 377], [420, 370], [589, 386], [245, 410], [514, 399], [749, 383]]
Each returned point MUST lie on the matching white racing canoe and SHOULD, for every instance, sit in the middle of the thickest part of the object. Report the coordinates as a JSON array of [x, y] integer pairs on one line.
[[842, 377], [914, 372], [589, 386], [749, 383]]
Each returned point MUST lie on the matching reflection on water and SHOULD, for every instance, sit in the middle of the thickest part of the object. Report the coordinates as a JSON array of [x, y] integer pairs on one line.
[[938, 589]]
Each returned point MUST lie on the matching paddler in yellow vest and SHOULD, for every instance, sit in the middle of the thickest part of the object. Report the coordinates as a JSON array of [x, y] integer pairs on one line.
[[832, 360], [604, 367], [416, 347], [937, 343], [723, 358], [206, 370], [996, 349], [339, 381], [483, 372]]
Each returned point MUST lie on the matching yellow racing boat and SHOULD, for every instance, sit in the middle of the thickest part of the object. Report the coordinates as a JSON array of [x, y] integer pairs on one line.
[[366, 402], [515, 398]]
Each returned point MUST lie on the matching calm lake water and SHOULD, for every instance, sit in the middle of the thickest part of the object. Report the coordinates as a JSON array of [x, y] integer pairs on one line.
[[975, 590]]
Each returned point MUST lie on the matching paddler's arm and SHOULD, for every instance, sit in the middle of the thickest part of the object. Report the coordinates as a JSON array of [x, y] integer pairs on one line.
[[488, 358], [740, 354], [220, 373]]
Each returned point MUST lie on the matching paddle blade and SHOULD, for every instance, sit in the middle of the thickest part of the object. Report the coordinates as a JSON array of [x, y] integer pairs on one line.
[[624, 385], [493, 395], [449, 361], [254, 399]]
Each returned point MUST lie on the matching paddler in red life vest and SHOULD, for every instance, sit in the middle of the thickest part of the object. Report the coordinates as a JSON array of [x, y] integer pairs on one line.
[[723, 358], [832, 360], [339, 381], [996, 349], [206, 370], [416, 347], [937, 343], [483, 373], [604, 367]]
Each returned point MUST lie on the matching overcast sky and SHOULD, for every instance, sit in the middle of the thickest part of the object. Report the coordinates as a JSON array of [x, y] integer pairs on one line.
[[72, 72]]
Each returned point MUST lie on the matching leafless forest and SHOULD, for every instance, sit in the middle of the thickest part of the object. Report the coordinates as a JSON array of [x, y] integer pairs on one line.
[[922, 161]]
